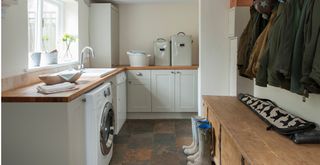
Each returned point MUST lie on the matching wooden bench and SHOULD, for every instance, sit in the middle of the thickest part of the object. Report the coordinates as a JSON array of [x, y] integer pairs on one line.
[[240, 137]]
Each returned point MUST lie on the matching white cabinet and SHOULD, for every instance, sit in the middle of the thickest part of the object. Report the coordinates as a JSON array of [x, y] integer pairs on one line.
[[162, 82], [162, 91], [186, 91], [174, 90], [138, 91], [104, 34], [40, 133]]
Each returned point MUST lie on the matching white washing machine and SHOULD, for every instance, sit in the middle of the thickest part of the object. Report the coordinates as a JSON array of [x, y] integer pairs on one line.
[[99, 125]]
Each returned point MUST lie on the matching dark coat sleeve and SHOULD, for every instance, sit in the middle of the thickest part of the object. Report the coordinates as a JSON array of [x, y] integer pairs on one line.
[[292, 12], [315, 74], [311, 33]]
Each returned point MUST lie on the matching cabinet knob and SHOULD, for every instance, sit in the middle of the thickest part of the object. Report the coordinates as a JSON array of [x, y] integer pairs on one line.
[[172, 72], [129, 82], [139, 74], [179, 72]]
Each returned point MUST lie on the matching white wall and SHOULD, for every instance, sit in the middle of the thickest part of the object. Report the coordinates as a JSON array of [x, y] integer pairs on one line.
[[141, 24], [14, 53], [309, 110], [214, 48]]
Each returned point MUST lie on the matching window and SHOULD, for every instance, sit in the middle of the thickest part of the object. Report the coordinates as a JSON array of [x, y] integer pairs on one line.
[[46, 31]]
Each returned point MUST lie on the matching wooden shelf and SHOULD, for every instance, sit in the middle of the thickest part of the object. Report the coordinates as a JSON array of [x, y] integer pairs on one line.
[[235, 3]]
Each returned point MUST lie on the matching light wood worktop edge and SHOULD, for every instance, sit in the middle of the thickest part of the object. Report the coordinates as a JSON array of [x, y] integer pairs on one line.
[[29, 93]]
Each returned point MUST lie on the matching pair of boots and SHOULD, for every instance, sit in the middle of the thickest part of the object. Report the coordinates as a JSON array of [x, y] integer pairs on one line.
[[199, 151]]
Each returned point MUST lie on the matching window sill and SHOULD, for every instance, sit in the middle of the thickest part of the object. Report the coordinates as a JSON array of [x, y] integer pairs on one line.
[[48, 67]]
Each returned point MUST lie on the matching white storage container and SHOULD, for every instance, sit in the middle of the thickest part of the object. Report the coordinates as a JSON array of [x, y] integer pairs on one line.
[[181, 49], [138, 58], [162, 52]]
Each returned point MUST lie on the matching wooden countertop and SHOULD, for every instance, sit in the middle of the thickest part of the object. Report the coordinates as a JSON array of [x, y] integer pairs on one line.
[[257, 145], [85, 84]]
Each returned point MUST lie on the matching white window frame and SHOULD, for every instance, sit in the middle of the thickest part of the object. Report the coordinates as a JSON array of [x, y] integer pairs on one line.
[[38, 29], [39, 34]]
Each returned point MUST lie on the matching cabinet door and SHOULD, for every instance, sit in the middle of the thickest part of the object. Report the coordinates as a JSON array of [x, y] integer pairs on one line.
[[121, 110], [162, 87], [186, 91], [139, 97]]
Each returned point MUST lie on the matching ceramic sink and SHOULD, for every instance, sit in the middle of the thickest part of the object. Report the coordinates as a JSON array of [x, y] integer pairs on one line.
[[96, 72]]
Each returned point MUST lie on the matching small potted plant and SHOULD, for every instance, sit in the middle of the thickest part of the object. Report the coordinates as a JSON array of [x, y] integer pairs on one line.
[[68, 39], [52, 56], [35, 59]]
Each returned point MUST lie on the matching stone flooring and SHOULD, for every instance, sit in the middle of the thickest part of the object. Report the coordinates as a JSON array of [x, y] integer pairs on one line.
[[152, 142]]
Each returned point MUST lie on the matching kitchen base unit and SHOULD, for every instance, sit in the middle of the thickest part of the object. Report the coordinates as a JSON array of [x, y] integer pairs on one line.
[[35, 133], [162, 93], [174, 90]]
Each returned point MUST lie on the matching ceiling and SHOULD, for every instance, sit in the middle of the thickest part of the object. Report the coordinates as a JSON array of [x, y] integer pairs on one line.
[[143, 1]]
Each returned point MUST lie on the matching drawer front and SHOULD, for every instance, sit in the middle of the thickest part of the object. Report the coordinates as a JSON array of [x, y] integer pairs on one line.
[[138, 96], [138, 74], [229, 151]]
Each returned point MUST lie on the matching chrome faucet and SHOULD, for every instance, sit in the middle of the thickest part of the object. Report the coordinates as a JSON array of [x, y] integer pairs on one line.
[[85, 51]]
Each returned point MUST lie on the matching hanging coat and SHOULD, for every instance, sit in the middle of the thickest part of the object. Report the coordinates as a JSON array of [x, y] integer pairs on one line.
[[248, 38], [310, 61], [265, 72], [299, 48], [259, 47], [292, 12], [315, 73]]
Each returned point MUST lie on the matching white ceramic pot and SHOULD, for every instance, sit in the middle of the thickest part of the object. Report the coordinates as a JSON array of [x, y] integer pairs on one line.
[[52, 57], [138, 58], [35, 59]]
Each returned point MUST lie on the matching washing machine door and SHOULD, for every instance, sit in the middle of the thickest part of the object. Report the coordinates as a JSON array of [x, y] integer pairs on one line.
[[106, 129]]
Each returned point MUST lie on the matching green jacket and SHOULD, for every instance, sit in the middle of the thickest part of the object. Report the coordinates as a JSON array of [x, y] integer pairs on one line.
[[310, 62], [292, 12], [296, 71]]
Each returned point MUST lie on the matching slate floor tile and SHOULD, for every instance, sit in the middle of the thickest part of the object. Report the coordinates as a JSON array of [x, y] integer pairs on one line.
[[136, 142], [164, 126], [180, 141], [134, 155], [164, 139], [183, 128], [152, 142]]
